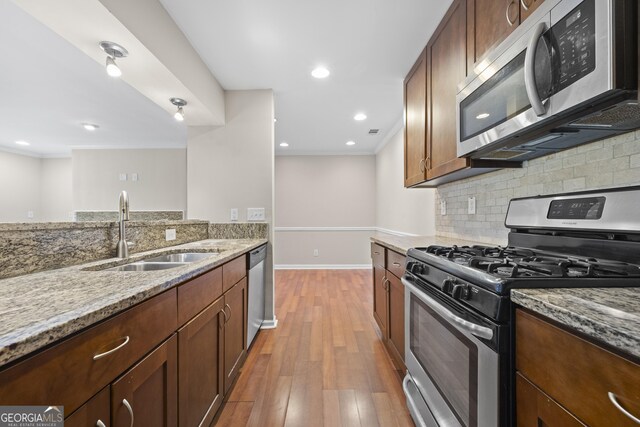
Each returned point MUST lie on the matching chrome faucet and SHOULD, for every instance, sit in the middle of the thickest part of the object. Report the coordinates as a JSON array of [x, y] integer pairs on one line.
[[123, 245]]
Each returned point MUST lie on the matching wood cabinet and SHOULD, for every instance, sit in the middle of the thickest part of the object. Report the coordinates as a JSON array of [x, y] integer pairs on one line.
[[96, 412], [415, 116], [200, 367], [235, 331], [527, 7], [580, 377], [148, 393], [388, 300]]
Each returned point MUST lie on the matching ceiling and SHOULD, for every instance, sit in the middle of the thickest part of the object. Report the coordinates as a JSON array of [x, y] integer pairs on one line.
[[49, 88], [368, 45]]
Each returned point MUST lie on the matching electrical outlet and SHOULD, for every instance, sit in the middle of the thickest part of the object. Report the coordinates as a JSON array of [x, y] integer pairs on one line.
[[170, 234], [255, 214], [234, 214], [123, 177], [471, 205], [134, 176], [315, 252], [29, 214], [443, 207]]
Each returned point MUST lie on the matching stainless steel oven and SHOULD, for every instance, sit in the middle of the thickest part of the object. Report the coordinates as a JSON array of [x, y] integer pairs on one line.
[[567, 75], [453, 361]]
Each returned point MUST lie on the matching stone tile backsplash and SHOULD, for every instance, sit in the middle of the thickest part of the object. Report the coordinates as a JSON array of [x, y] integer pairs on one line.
[[613, 162]]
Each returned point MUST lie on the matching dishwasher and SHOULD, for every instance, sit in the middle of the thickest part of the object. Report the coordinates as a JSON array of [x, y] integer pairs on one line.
[[255, 311]]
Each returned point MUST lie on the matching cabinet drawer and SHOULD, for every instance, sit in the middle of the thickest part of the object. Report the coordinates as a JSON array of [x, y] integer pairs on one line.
[[233, 271], [76, 369], [198, 293], [395, 263], [95, 411], [377, 255], [577, 374], [535, 409]]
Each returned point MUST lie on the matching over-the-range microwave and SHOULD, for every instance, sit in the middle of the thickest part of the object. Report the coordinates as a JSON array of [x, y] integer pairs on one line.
[[568, 75]]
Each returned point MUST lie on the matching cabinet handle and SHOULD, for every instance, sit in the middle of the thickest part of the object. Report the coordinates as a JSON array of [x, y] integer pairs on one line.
[[388, 283], [397, 264], [377, 253], [384, 283], [113, 350], [100, 424], [614, 399], [129, 408], [508, 15], [421, 165], [225, 317], [525, 6], [229, 307]]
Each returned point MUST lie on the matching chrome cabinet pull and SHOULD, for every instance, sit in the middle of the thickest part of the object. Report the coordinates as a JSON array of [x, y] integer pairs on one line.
[[229, 307], [100, 424], [113, 350], [388, 283], [507, 14], [614, 399], [225, 317], [529, 71], [421, 165], [397, 264], [129, 408], [384, 283], [525, 6]]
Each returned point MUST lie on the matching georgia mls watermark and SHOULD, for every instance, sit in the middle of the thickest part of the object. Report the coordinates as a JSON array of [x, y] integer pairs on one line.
[[31, 416]]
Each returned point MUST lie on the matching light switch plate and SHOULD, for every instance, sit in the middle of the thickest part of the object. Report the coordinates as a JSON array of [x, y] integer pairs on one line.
[[255, 214], [170, 234], [443, 207], [123, 177], [134, 177], [471, 205], [234, 214]]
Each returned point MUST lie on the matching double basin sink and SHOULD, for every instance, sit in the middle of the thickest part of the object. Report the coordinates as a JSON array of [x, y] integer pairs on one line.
[[164, 262]]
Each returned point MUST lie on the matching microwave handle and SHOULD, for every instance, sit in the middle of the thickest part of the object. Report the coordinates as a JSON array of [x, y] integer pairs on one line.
[[472, 328], [529, 71]]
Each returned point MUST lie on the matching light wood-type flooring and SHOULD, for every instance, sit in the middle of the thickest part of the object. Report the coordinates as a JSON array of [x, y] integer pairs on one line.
[[324, 365]]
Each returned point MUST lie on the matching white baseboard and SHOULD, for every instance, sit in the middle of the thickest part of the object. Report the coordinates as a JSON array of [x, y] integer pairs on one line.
[[322, 266], [270, 324]]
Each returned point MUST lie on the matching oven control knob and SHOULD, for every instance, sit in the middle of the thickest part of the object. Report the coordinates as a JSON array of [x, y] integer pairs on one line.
[[448, 285], [417, 268], [460, 291]]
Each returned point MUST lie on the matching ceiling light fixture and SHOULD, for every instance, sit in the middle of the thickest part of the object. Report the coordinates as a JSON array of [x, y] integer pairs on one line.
[[179, 102], [360, 117], [482, 116], [284, 144], [114, 51], [23, 143], [90, 126], [320, 73], [351, 143]]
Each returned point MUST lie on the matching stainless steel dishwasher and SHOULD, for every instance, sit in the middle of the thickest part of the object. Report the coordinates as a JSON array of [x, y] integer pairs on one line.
[[255, 310]]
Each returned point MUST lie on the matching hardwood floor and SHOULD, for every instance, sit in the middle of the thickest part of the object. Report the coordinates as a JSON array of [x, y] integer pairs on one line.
[[324, 365]]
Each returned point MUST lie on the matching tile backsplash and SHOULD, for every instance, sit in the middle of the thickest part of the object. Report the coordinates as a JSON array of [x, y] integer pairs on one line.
[[613, 162]]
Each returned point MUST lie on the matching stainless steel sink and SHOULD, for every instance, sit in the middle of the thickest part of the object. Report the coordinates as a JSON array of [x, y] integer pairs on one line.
[[182, 257], [147, 266]]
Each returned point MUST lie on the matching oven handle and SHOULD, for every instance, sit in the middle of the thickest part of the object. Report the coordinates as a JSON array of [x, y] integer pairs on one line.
[[529, 71], [472, 328], [412, 405]]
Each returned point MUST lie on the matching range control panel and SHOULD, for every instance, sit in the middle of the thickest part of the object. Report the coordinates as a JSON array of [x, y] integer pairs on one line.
[[584, 208]]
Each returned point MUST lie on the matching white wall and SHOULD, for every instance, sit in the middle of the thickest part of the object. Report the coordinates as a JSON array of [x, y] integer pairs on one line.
[[232, 166], [56, 192], [328, 193], [161, 185], [406, 210]]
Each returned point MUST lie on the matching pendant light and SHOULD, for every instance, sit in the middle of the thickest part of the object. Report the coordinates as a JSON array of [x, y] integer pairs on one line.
[[114, 51], [180, 103]]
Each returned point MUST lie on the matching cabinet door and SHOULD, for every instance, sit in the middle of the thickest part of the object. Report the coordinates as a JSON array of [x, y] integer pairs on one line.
[[415, 115], [448, 61], [235, 331], [380, 306], [535, 409], [96, 412], [148, 392], [200, 375], [527, 7], [396, 320], [489, 22]]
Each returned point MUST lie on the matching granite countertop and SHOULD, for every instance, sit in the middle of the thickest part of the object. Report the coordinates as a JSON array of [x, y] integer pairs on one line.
[[41, 308], [610, 315], [71, 225], [402, 244]]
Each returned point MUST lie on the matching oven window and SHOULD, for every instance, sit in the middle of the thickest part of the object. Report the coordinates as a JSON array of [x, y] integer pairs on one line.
[[449, 359]]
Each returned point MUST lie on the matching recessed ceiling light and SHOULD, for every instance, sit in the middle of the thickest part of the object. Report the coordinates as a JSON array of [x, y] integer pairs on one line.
[[351, 143], [90, 126], [275, 120], [360, 116], [284, 144], [320, 73], [23, 143], [482, 116]]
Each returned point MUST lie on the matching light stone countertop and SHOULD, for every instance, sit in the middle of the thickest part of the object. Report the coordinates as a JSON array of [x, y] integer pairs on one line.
[[402, 244], [610, 315], [39, 309]]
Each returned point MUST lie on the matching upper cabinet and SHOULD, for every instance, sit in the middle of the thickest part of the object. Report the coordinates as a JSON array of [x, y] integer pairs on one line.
[[415, 114]]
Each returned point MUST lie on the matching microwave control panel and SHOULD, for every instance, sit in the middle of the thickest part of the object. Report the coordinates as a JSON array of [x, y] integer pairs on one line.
[[575, 45]]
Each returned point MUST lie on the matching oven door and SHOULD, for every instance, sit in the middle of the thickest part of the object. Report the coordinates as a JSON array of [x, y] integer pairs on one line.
[[452, 368]]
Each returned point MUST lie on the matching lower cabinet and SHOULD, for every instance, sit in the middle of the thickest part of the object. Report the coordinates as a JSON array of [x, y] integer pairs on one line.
[[395, 341], [235, 331], [380, 308], [200, 366], [147, 394], [96, 412]]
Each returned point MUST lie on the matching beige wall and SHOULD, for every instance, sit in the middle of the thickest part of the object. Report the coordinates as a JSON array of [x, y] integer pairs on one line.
[[56, 189], [161, 185], [232, 166], [399, 209], [326, 193]]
